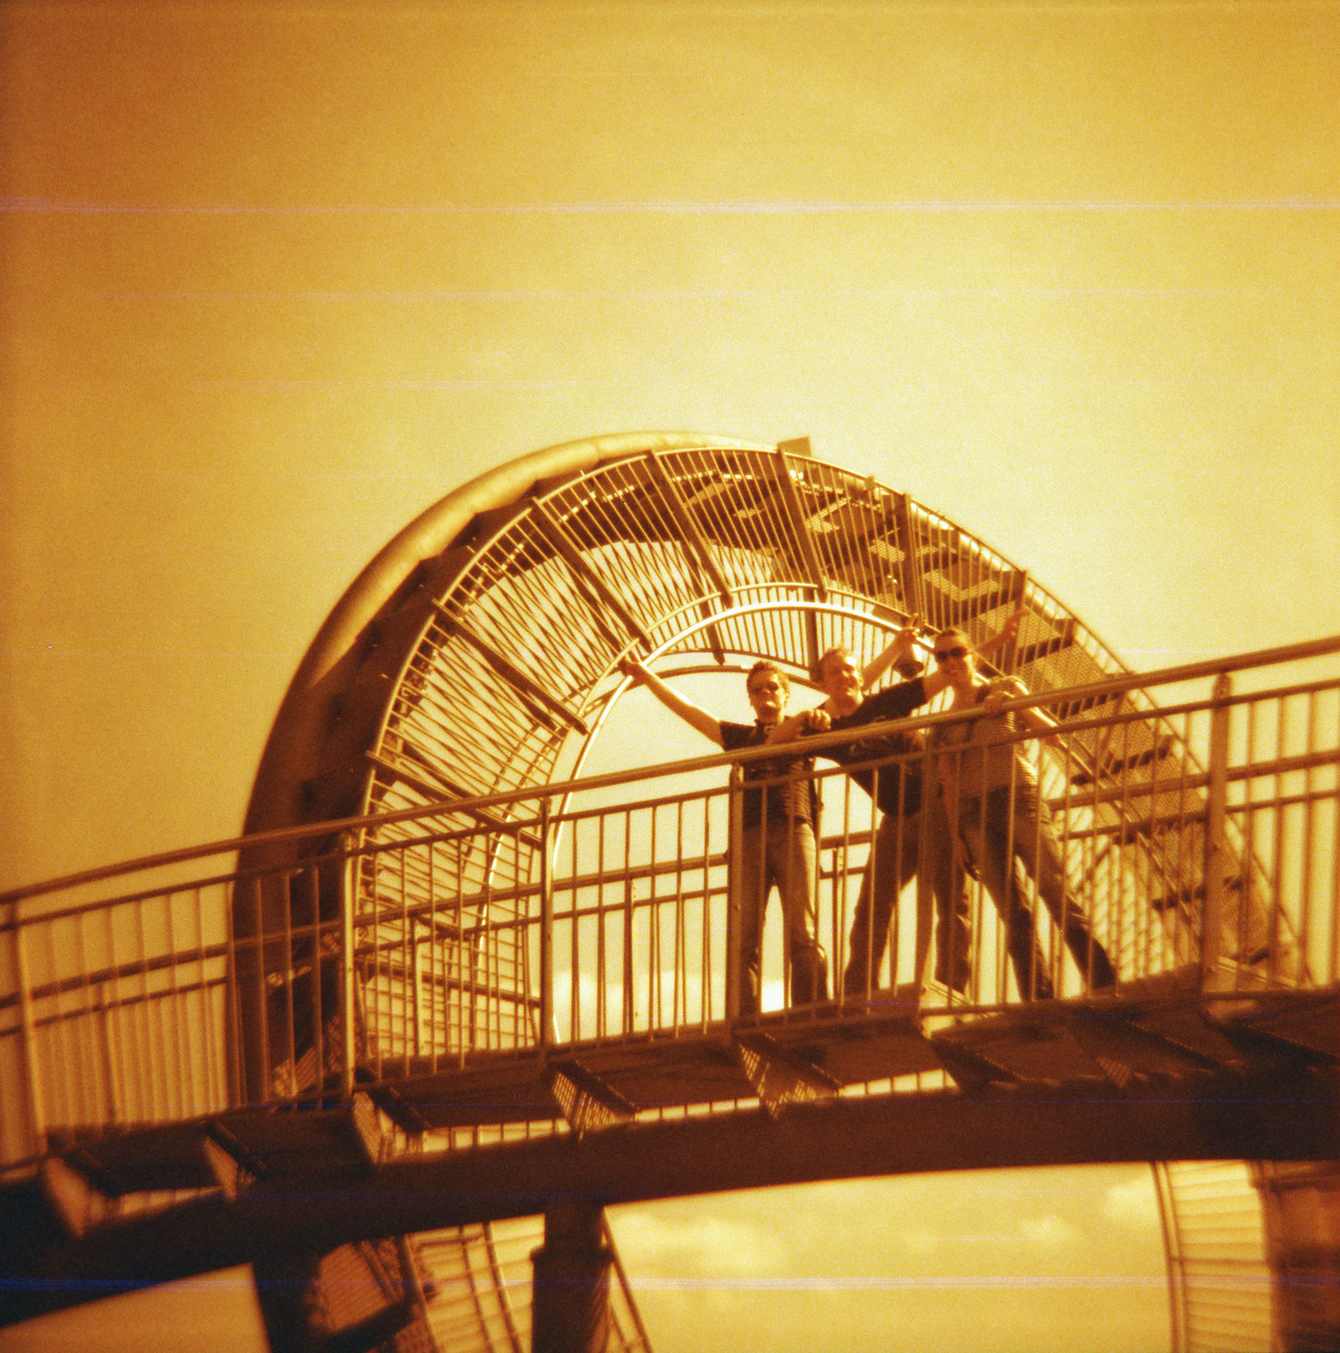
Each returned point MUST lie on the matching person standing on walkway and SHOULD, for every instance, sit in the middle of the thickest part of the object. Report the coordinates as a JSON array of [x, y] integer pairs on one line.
[[777, 846], [896, 848], [991, 789]]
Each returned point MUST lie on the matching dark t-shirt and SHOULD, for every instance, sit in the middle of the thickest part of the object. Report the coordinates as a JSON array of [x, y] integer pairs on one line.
[[899, 788], [792, 799]]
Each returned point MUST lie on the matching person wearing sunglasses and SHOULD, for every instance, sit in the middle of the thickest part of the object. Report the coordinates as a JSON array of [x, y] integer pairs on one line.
[[895, 850], [991, 789]]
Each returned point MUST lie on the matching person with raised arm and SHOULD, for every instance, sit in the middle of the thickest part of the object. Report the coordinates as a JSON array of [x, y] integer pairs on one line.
[[896, 848], [991, 790], [895, 853], [777, 845]]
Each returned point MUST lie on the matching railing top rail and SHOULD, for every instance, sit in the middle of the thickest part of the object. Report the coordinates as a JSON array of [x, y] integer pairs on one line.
[[1113, 685]]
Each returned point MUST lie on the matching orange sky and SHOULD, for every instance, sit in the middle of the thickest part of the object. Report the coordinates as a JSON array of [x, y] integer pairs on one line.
[[277, 276]]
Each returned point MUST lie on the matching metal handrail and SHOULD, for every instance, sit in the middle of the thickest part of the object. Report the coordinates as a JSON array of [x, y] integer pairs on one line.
[[816, 742]]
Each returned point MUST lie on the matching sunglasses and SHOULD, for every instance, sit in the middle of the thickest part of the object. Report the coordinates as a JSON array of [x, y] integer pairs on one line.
[[944, 655]]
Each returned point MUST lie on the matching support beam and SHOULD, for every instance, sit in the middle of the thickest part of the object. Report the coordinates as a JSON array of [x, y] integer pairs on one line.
[[695, 543], [909, 567], [531, 694], [557, 536], [795, 514], [1217, 855], [1288, 1115], [571, 1280]]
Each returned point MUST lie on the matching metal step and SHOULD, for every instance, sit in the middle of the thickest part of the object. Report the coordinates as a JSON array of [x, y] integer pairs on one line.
[[263, 1143]]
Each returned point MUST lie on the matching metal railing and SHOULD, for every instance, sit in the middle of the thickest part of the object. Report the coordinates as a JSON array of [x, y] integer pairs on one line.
[[1198, 843]]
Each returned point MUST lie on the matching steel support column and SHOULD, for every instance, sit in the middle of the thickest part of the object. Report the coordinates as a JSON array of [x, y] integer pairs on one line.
[[571, 1280]]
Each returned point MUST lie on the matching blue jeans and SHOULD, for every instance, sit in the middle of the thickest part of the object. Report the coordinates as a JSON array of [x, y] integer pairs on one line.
[[995, 838], [894, 860], [780, 852]]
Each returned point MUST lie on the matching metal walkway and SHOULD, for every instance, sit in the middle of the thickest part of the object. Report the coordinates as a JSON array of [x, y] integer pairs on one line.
[[447, 981]]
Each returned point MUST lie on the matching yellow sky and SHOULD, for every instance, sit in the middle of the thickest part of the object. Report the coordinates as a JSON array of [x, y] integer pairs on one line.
[[277, 276]]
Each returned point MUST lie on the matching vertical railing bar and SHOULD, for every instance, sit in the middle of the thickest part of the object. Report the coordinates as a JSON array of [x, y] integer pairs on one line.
[[1144, 868], [1215, 848], [409, 999], [705, 906], [352, 868], [628, 995], [374, 1041], [681, 1015], [650, 995], [27, 1022], [675, 902], [841, 893], [602, 956], [151, 1016], [1114, 928], [140, 1089], [1186, 863], [1062, 834], [504, 941], [1309, 843], [290, 1032], [1247, 872], [72, 1027], [894, 936], [174, 985], [1003, 965], [601, 919], [1170, 875], [318, 980], [1333, 971], [209, 1052], [547, 1030], [115, 1027], [233, 1000], [260, 938], [487, 1011], [56, 1037], [924, 897], [437, 977], [1055, 927], [86, 1041], [1155, 925], [734, 884], [462, 947], [574, 965], [1277, 861], [493, 946]]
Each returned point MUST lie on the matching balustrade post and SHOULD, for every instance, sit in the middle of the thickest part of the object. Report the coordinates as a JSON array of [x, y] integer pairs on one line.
[[734, 887], [1216, 804], [32, 1072], [348, 1004], [548, 1029], [927, 870], [571, 1279]]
